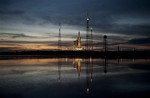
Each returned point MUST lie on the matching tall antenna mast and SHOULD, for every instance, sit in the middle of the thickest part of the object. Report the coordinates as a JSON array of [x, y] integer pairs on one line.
[[87, 32], [105, 43], [91, 38], [59, 37]]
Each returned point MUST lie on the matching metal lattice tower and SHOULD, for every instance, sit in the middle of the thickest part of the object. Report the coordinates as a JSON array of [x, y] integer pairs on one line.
[[59, 37], [91, 39], [105, 43], [87, 32]]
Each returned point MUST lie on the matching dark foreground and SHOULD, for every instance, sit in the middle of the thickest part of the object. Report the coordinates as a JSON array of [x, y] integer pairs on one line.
[[81, 54]]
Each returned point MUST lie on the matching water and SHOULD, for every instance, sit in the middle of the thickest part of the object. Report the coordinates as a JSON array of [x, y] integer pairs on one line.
[[74, 78]]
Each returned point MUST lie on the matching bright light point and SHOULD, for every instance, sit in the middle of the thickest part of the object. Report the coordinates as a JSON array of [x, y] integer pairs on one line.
[[91, 28], [87, 90], [90, 59], [91, 80]]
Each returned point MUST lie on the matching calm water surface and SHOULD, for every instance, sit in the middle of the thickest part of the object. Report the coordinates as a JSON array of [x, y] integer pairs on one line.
[[74, 78]]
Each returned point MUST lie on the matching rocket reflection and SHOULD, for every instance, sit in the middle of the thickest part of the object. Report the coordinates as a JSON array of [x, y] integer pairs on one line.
[[77, 65], [88, 69]]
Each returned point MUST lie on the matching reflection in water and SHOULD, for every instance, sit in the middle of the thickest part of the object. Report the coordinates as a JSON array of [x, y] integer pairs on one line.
[[91, 60], [77, 65], [87, 76], [38, 78], [59, 69], [89, 70], [105, 66]]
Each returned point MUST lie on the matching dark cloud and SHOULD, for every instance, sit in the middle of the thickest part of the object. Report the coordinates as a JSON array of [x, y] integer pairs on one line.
[[120, 7], [110, 16], [141, 29], [13, 36], [24, 42], [139, 41], [101, 44], [21, 35], [105, 14], [5, 2], [64, 43], [16, 12]]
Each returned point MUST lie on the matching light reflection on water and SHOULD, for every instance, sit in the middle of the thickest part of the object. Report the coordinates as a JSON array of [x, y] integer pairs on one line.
[[74, 77]]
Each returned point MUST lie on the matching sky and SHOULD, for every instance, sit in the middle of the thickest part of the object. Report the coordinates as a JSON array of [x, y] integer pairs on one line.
[[34, 24]]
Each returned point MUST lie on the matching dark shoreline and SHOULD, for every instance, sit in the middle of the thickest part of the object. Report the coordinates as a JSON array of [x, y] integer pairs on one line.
[[77, 54]]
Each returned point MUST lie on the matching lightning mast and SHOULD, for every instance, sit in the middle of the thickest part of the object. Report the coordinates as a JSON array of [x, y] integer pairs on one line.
[[87, 32], [91, 39], [105, 43], [59, 37]]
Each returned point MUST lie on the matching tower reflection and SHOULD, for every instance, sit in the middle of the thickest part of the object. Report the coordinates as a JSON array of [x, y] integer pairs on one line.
[[59, 69], [91, 69], [89, 74], [88, 70], [105, 65]]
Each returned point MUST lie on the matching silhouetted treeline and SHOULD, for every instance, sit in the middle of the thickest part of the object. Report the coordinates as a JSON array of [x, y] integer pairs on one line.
[[82, 54]]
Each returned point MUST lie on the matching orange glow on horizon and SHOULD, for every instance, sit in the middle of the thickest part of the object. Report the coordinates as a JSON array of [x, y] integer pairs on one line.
[[32, 46], [25, 47]]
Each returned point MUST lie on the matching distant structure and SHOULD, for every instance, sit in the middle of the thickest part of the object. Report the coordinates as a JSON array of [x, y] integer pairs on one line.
[[77, 43], [91, 39], [105, 43], [87, 32], [59, 37]]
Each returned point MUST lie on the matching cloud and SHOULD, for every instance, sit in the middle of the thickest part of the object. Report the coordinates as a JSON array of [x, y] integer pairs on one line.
[[5, 2], [141, 29], [139, 41], [106, 15], [19, 36], [15, 12]]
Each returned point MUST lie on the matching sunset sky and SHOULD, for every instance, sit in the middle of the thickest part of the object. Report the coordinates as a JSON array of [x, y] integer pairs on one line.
[[34, 24]]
